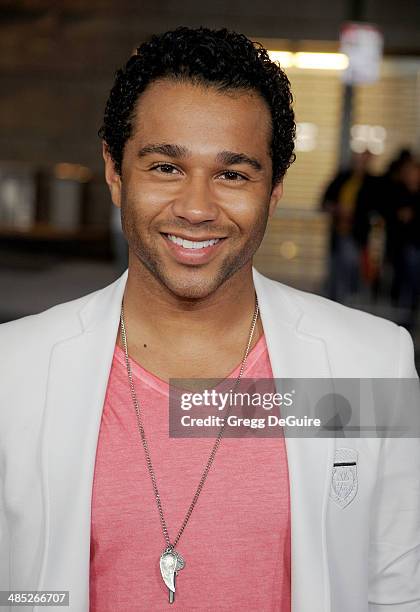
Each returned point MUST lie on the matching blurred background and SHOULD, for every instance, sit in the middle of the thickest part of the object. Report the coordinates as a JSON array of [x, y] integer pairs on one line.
[[348, 226]]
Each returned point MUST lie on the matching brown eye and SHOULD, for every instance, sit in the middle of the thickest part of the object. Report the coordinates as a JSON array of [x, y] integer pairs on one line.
[[233, 176], [165, 168]]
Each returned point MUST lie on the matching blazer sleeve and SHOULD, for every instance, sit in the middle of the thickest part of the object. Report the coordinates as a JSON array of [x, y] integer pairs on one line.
[[4, 536], [4, 526], [394, 562]]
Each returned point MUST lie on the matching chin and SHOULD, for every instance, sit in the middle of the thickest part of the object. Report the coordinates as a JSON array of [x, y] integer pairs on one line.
[[186, 289]]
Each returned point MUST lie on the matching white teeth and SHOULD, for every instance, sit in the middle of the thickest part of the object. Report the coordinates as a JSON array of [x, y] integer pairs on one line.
[[188, 244]]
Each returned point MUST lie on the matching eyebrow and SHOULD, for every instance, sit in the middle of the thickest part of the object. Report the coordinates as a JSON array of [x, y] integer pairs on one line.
[[227, 158], [170, 150]]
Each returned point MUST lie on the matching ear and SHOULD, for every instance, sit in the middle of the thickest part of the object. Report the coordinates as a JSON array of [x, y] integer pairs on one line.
[[275, 197], [112, 177]]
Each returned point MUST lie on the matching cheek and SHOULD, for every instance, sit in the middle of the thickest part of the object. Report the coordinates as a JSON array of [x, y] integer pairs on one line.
[[144, 201], [248, 209]]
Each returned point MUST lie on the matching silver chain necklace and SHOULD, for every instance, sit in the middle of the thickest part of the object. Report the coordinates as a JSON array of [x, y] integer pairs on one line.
[[170, 560]]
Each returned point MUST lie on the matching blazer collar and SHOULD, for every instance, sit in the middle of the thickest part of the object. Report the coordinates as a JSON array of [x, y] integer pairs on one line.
[[296, 352], [77, 381], [78, 377]]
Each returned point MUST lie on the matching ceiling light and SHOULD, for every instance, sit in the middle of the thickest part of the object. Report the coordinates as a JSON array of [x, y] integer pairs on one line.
[[311, 61]]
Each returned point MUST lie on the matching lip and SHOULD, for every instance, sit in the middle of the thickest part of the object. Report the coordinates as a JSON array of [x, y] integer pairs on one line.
[[192, 257]]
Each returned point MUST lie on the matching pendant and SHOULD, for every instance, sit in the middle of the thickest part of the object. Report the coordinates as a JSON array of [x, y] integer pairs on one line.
[[170, 563]]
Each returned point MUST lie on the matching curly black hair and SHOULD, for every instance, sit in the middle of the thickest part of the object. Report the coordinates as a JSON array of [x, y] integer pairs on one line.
[[223, 59]]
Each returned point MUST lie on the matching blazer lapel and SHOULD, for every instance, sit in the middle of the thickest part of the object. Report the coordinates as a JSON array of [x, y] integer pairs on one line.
[[78, 376], [295, 353]]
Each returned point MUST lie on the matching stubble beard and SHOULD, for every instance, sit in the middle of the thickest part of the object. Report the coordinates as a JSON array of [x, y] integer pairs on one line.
[[193, 284]]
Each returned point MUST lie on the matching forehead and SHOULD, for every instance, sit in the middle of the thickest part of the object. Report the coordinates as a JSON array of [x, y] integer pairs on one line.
[[199, 116]]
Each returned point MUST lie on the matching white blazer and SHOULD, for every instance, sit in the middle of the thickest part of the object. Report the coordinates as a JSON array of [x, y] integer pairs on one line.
[[54, 373]]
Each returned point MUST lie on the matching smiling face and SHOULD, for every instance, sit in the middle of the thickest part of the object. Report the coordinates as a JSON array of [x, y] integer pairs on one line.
[[196, 185]]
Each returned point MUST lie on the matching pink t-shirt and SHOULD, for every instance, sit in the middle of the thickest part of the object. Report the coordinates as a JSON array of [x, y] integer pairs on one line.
[[236, 545]]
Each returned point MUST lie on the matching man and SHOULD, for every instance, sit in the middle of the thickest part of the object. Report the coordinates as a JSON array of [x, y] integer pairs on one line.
[[350, 199], [197, 137]]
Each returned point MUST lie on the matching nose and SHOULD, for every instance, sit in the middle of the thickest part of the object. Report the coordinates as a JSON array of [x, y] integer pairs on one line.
[[195, 202]]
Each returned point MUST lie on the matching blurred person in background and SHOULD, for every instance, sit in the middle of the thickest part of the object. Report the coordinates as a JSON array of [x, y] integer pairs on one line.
[[393, 191], [349, 200], [406, 214]]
